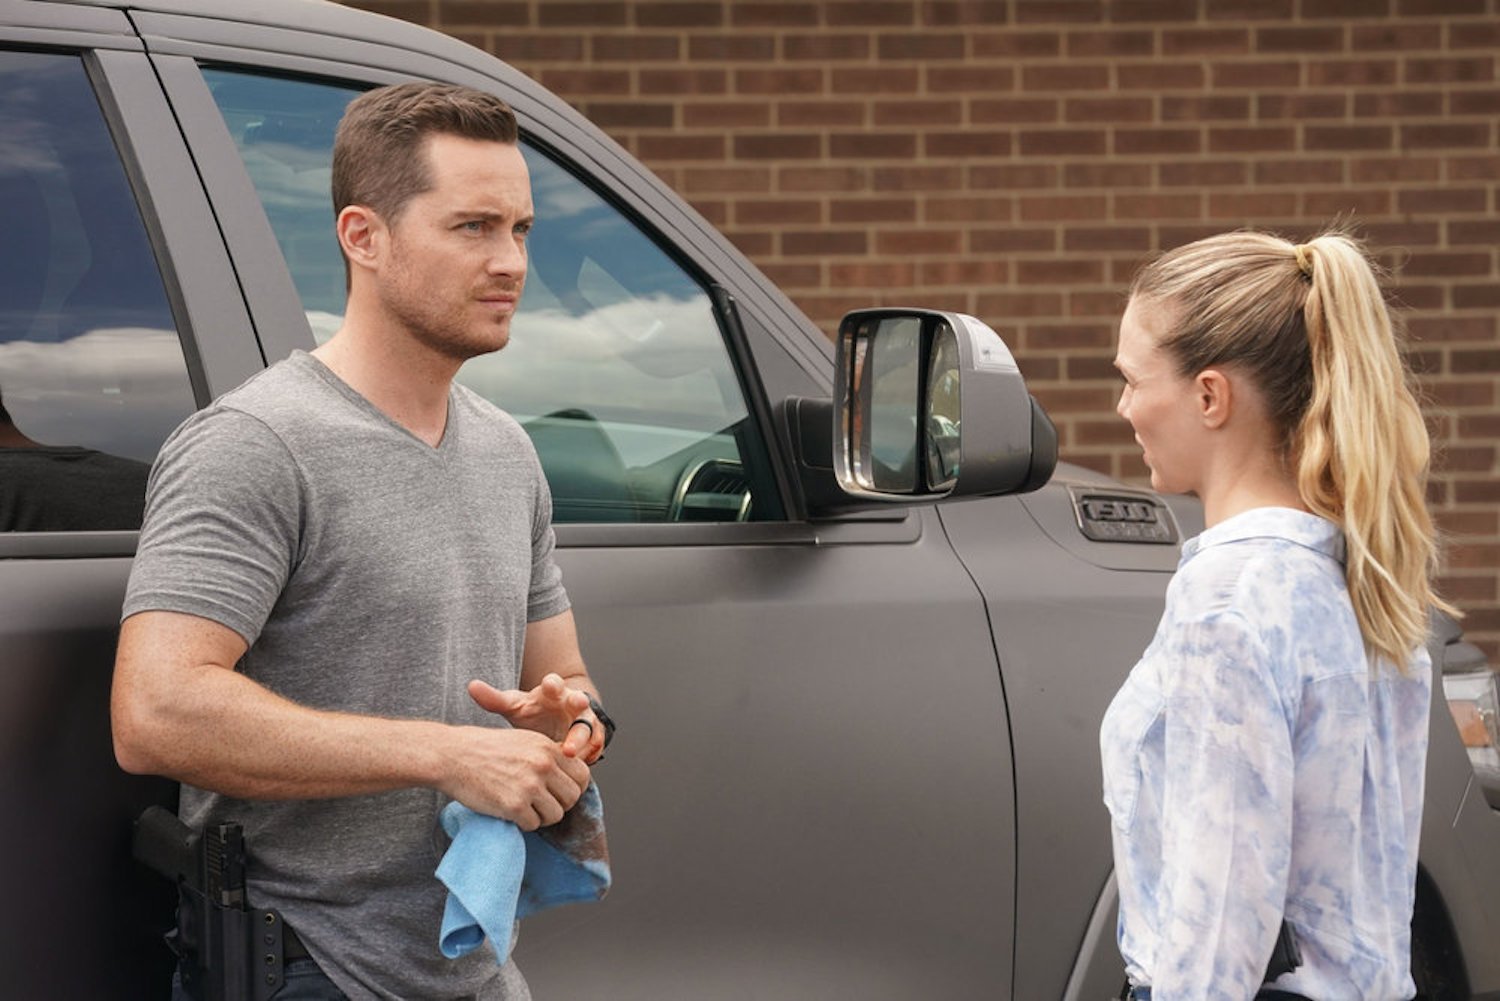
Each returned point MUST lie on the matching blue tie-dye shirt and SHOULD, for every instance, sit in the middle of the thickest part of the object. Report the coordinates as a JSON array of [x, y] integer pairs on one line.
[[1255, 758]]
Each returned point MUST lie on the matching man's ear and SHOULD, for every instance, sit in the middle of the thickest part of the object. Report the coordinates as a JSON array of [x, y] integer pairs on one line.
[[1214, 393], [361, 234]]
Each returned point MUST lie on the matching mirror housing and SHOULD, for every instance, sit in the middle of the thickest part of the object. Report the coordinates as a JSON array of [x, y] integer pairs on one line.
[[930, 404]]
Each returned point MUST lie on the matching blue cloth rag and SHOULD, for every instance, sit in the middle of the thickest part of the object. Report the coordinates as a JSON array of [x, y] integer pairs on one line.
[[496, 874]]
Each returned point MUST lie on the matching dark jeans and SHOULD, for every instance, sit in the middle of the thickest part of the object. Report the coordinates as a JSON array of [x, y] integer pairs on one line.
[[304, 982]]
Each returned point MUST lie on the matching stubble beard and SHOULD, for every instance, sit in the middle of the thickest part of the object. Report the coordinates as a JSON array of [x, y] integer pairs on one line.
[[442, 327]]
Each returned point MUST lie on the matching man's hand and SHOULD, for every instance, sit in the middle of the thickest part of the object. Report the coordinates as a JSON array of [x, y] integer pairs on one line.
[[551, 708], [516, 775]]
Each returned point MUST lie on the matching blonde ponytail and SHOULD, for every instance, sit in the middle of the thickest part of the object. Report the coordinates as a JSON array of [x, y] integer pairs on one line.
[[1363, 451], [1309, 324]]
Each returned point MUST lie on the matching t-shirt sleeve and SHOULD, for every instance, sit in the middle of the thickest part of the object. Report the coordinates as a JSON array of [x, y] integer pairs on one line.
[[221, 532], [547, 596], [1226, 813]]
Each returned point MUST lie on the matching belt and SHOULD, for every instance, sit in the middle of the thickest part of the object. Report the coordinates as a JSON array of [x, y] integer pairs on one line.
[[1264, 994]]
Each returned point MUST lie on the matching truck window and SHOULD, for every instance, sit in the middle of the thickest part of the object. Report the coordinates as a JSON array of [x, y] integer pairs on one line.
[[92, 374], [616, 365]]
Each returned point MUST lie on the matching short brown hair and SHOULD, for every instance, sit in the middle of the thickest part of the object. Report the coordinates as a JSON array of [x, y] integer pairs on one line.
[[378, 158]]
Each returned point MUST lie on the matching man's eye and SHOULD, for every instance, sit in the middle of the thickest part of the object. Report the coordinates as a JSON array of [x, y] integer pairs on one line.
[[473, 226]]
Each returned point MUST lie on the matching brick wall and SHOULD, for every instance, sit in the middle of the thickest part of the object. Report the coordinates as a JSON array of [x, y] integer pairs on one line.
[[1017, 159]]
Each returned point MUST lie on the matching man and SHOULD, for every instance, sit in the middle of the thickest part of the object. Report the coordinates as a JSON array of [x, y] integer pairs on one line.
[[333, 549]]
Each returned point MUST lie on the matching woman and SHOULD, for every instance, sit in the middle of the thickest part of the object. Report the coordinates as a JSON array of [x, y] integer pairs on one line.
[[1264, 760]]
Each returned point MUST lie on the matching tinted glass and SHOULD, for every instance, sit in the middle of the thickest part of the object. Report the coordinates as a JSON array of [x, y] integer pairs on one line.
[[616, 365], [92, 376]]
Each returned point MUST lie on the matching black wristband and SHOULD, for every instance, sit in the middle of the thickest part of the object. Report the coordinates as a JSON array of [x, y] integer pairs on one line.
[[603, 717]]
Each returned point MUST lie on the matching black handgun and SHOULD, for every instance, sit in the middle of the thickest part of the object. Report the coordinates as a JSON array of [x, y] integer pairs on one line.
[[1285, 955], [228, 950]]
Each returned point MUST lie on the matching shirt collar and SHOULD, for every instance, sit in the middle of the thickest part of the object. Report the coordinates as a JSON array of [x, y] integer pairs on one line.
[[1298, 527]]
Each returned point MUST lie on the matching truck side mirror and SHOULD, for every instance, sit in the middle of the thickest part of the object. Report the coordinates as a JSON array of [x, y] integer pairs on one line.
[[930, 404]]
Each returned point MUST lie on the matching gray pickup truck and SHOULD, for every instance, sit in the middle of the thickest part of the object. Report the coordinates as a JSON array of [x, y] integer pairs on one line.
[[858, 640]]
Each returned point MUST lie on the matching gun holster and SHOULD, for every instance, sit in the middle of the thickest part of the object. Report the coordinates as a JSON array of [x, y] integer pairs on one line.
[[228, 951]]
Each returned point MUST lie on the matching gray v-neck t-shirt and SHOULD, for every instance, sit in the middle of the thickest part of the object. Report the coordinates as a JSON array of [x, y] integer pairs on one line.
[[370, 573]]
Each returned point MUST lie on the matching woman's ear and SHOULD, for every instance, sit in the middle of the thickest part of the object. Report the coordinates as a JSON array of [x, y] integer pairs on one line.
[[1214, 393]]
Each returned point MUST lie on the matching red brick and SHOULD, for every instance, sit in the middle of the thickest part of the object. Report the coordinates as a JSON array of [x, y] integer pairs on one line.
[[1062, 142], [872, 146], [1011, 240], [1341, 9], [1016, 44], [1112, 175], [1252, 205], [1050, 11], [683, 81], [968, 209], [1474, 102], [1031, 110], [1466, 362], [724, 115], [1204, 108], [1011, 176], [488, 13], [925, 47], [1069, 337], [963, 12], [1084, 303], [766, 212], [1434, 8], [1084, 366], [680, 147], [1256, 75], [579, 83], [968, 274], [967, 143], [1454, 264], [1299, 171], [986, 79], [1473, 34], [873, 210], [1399, 104], [1451, 328], [1392, 36], [752, 244], [516, 48], [1105, 432], [1023, 305], [636, 48], [1089, 76], [1477, 69], [811, 180], [1443, 200], [1184, 205], [1446, 135], [870, 274], [1405, 168], [824, 241], [826, 47], [1401, 234], [720, 180], [1088, 44], [1160, 76], [1250, 10], [778, 146], [1329, 204], [918, 178], [744, 13], [732, 48], [581, 15], [1106, 238], [1109, 110], [917, 112], [1251, 140], [1205, 42], [1171, 11], [905, 242], [1204, 173], [1473, 168], [801, 82], [887, 80], [632, 115], [1482, 232], [793, 276], [1315, 41], [1047, 208], [1070, 400], [1300, 107], [679, 15], [870, 13], [1157, 141], [715, 211], [1352, 73], [1349, 137], [812, 113]]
